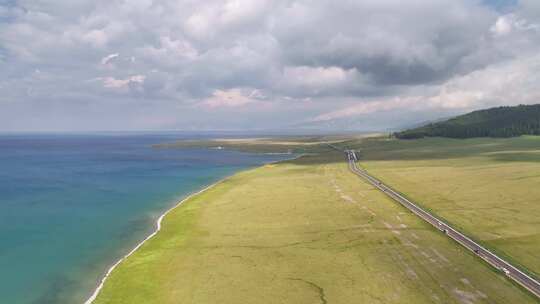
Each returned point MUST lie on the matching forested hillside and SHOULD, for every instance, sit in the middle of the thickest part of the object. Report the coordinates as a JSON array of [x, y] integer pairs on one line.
[[494, 122]]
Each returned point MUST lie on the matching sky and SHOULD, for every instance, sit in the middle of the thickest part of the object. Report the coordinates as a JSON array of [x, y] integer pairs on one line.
[[83, 65]]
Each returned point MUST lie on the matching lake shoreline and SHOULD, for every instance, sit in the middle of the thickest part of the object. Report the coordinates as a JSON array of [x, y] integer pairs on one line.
[[104, 278], [157, 226]]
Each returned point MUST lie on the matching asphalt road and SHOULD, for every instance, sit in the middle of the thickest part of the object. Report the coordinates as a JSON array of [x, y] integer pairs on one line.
[[531, 284]]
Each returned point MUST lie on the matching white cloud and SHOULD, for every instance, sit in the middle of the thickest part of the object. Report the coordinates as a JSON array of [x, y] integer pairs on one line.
[[97, 38], [179, 47], [507, 23], [111, 82], [510, 83], [231, 98], [170, 51], [368, 107], [503, 26], [105, 60], [317, 76], [239, 11]]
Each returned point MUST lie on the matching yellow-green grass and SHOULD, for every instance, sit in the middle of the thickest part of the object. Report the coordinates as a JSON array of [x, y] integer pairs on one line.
[[303, 231], [488, 188]]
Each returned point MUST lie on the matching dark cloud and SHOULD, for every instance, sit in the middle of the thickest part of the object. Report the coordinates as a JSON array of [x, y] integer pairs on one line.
[[392, 43]]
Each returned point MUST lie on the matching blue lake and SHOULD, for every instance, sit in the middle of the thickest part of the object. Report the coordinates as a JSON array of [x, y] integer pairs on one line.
[[71, 205]]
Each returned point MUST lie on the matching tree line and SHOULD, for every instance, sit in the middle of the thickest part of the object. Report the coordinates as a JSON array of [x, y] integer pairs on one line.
[[495, 122]]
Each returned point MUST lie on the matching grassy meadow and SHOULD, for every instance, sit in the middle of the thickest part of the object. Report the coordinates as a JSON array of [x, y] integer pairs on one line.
[[488, 188], [302, 231]]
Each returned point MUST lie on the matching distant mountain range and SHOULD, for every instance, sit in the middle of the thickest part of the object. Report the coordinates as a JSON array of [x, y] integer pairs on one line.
[[494, 122]]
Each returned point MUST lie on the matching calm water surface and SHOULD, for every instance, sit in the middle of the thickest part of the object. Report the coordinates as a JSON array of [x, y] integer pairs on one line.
[[70, 205]]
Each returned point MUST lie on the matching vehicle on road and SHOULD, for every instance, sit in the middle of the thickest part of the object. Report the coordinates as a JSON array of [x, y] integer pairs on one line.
[[441, 227]]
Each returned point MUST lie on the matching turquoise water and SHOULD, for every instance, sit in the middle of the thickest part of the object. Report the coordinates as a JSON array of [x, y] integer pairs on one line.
[[70, 205]]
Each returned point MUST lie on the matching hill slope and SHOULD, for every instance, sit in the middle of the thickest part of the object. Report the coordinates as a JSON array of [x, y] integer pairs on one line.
[[494, 122]]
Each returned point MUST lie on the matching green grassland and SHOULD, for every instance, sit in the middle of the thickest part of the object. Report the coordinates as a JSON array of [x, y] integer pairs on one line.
[[488, 188], [302, 231]]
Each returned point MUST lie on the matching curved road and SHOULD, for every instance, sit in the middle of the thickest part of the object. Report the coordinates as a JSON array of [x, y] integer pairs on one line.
[[531, 284]]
